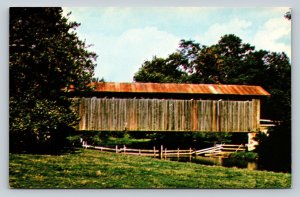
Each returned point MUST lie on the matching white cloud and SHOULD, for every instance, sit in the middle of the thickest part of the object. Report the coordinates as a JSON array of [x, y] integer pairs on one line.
[[213, 34], [273, 35], [269, 36], [120, 57]]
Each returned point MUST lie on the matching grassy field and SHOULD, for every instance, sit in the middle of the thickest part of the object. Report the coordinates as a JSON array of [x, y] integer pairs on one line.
[[93, 169]]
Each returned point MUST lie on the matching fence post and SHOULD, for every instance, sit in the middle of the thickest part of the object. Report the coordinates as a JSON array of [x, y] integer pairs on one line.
[[124, 147], [154, 152], [190, 154], [177, 153], [165, 153], [161, 151], [116, 148]]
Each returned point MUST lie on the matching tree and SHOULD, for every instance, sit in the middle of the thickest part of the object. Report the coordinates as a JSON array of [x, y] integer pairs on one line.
[[160, 70], [45, 58]]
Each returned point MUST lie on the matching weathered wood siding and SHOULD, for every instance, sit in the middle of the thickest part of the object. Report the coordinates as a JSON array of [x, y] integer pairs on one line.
[[168, 115]]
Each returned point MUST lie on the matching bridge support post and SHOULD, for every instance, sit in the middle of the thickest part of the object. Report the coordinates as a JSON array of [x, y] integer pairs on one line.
[[251, 141]]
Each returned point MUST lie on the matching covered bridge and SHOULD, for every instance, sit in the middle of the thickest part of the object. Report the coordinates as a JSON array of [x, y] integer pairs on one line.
[[171, 107]]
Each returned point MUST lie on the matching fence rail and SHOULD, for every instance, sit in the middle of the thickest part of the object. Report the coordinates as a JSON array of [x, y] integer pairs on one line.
[[265, 124], [214, 149], [217, 150]]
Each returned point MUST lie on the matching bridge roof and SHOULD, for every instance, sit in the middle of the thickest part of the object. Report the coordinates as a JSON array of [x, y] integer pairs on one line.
[[175, 88]]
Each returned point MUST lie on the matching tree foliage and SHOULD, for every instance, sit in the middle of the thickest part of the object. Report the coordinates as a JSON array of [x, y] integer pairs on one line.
[[275, 149], [45, 58]]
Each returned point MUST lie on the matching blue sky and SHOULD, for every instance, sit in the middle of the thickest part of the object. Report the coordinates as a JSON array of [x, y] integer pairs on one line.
[[125, 37]]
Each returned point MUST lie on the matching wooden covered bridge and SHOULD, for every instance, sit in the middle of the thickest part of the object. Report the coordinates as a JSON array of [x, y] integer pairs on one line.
[[171, 107]]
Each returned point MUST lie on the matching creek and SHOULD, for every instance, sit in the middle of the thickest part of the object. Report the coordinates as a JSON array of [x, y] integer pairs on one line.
[[219, 161]]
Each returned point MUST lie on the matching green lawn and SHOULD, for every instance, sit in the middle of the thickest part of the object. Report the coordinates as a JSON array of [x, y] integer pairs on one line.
[[93, 169]]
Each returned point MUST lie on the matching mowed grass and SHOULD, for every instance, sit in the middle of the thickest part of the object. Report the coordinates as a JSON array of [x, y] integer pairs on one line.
[[94, 169]]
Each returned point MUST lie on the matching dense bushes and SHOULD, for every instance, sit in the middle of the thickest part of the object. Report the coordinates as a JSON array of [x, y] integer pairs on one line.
[[246, 156], [275, 150]]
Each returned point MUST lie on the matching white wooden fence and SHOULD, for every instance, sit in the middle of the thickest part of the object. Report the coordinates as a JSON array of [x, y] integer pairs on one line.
[[218, 150]]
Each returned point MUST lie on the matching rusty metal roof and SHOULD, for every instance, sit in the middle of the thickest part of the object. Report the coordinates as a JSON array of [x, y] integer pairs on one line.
[[180, 88]]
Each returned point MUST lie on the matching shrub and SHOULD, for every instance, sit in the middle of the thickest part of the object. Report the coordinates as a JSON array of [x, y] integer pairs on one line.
[[246, 156], [74, 141]]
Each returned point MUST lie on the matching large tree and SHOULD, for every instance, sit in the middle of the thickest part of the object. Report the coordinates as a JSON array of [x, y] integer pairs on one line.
[[45, 58]]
